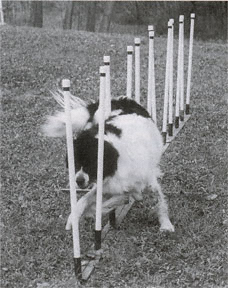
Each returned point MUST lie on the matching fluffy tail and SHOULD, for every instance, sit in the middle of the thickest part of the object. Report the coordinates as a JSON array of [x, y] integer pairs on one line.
[[75, 102], [55, 125]]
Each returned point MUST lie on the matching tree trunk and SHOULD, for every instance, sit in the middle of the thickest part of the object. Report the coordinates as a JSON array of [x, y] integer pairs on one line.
[[106, 18], [67, 21], [91, 17], [36, 15], [223, 16]]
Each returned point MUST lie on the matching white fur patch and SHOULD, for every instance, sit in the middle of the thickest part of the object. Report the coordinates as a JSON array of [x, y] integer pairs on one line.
[[140, 149]]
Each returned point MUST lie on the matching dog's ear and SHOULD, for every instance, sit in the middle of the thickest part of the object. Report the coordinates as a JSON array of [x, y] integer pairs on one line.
[[110, 159], [86, 153]]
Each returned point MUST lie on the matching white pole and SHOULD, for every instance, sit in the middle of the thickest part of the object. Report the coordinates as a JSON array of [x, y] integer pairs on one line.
[[137, 69], [1, 14], [170, 125], [100, 159], [151, 98], [72, 180], [107, 87], [164, 125], [129, 70], [107, 108], [190, 64], [177, 110], [181, 23]]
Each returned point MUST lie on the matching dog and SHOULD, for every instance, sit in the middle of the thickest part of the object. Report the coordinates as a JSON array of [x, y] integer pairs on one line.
[[132, 151]]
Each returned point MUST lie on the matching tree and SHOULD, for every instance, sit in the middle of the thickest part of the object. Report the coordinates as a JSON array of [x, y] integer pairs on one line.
[[106, 17], [91, 17], [67, 21], [36, 14]]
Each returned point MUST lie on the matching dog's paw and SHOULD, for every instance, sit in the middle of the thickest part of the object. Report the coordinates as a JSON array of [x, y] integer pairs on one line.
[[167, 226]]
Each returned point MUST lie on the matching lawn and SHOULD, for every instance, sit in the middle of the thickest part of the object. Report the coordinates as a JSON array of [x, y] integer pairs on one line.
[[36, 250]]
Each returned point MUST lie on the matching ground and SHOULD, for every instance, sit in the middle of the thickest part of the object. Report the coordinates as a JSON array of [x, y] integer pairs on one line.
[[36, 250]]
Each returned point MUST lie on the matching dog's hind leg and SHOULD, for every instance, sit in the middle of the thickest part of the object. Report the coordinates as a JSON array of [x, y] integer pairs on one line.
[[162, 208], [112, 203]]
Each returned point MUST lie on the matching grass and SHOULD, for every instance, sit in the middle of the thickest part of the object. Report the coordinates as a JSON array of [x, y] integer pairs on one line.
[[36, 250]]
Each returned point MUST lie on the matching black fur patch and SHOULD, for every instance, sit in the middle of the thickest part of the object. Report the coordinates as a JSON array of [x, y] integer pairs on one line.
[[92, 108], [86, 149], [128, 106], [112, 129], [92, 132]]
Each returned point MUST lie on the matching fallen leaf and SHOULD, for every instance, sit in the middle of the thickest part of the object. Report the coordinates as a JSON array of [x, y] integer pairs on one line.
[[211, 197]]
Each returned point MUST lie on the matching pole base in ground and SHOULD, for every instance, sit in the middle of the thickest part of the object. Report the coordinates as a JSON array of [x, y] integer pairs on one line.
[[78, 268], [187, 109], [164, 134], [176, 122], [170, 129], [181, 115], [97, 239], [112, 218]]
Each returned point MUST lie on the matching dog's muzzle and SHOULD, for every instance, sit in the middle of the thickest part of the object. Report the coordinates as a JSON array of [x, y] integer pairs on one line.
[[82, 179]]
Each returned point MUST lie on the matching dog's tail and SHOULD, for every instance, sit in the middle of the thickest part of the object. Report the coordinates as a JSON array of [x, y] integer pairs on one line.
[[55, 125], [75, 102]]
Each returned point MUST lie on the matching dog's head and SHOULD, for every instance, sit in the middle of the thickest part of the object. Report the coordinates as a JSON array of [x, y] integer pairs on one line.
[[85, 151]]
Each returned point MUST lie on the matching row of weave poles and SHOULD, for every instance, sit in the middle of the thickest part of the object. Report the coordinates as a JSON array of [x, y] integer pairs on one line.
[[105, 109]]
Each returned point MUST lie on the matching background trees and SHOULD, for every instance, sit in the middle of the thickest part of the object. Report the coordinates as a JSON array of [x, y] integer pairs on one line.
[[91, 16], [36, 14], [67, 21], [118, 16]]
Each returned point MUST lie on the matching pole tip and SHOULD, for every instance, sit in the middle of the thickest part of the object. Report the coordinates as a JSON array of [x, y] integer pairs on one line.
[[102, 70], [137, 41], [106, 59], [151, 33], [181, 18], [150, 27], [193, 15], [129, 48], [171, 21], [66, 83]]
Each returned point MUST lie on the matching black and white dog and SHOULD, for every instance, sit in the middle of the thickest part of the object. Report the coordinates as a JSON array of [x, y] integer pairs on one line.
[[132, 151]]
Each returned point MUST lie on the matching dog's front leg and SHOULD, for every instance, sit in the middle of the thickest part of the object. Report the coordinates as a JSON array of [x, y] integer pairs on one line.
[[82, 203]]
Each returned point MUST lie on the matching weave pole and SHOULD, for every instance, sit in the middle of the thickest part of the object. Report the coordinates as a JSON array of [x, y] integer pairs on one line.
[[190, 64], [170, 121], [107, 87], [181, 27], [100, 159], [107, 107], [177, 109], [2, 22], [137, 70], [72, 180], [151, 97], [167, 72], [129, 70]]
